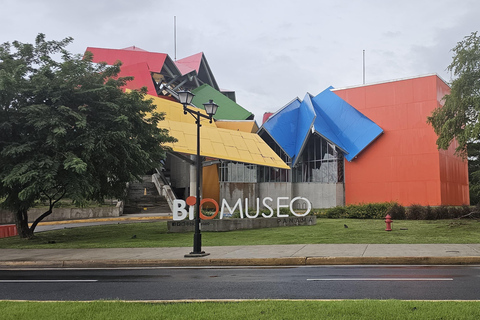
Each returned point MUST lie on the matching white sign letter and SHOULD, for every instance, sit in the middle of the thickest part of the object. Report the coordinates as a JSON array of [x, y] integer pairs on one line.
[[179, 207], [309, 206], [268, 207], [231, 210], [281, 206], [246, 209]]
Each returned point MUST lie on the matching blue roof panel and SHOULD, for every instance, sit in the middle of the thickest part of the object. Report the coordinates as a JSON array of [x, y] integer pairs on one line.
[[306, 118], [282, 127], [345, 125]]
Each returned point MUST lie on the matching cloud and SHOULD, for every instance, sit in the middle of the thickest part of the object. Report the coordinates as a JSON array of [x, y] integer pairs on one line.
[[268, 51]]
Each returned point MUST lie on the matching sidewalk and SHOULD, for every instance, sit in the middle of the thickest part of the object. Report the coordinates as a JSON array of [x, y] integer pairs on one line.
[[260, 255]]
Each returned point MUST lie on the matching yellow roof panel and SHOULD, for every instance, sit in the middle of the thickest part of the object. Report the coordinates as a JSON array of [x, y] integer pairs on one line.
[[238, 125], [212, 144], [174, 111], [219, 143], [219, 148]]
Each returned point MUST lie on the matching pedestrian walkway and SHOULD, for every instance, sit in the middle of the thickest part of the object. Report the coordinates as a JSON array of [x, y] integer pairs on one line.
[[260, 255], [126, 218]]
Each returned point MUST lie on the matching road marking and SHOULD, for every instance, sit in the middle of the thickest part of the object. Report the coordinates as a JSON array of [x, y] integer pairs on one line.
[[53, 280], [381, 279]]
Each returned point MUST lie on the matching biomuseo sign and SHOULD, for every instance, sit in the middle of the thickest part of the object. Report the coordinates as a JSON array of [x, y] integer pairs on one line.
[[180, 211]]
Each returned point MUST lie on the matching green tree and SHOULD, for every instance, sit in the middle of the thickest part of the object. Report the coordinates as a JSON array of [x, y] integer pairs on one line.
[[458, 117], [67, 129], [473, 149]]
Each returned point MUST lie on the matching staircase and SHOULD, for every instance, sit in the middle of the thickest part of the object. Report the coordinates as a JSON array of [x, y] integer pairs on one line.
[[143, 197]]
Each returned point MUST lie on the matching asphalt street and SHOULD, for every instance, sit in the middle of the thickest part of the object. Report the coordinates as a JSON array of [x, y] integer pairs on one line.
[[218, 283]]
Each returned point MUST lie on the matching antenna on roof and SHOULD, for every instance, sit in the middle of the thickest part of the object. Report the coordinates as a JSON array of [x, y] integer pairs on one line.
[[175, 37], [363, 66]]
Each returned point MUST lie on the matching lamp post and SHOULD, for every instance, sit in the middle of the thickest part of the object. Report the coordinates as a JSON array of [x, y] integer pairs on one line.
[[185, 98]]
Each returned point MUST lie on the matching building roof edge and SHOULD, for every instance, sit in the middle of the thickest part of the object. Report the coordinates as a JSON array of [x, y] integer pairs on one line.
[[393, 80]]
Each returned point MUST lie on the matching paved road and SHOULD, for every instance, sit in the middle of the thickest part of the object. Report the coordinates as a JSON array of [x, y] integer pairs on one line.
[[314, 282]]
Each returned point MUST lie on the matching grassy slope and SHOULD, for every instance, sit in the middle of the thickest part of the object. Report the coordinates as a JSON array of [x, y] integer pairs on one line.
[[359, 309], [155, 234]]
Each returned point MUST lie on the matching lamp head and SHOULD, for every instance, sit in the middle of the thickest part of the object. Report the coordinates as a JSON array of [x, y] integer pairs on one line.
[[211, 108], [185, 97]]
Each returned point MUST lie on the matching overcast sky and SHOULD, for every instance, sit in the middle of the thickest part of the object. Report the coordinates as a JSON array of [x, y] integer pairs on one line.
[[270, 51]]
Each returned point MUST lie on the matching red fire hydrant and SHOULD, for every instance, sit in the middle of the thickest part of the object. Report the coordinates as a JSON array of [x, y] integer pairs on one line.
[[388, 222]]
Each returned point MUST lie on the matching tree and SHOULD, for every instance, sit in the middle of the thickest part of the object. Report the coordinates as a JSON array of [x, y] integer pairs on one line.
[[473, 149], [67, 129], [458, 118]]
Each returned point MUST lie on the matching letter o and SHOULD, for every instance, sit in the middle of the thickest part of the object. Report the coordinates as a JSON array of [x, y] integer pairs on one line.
[[204, 217], [309, 206]]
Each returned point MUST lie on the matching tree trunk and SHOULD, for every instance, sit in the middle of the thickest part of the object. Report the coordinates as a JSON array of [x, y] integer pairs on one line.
[[21, 221], [46, 214]]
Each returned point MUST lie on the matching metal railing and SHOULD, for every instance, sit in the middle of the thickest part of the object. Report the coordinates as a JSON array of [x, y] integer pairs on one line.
[[164, 188]]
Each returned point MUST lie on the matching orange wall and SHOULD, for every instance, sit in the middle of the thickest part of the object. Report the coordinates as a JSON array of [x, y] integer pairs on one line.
[[210, 183], [403, 164]]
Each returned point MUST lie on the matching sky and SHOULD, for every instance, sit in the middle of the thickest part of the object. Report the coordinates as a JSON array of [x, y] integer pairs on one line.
[[268, 51]]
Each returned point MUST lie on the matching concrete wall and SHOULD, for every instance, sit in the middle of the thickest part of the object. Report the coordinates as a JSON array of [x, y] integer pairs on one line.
[[232, 191], [240, 224], [321, 195], [59, 214], [6, 217], [179, 172], [275, 190]]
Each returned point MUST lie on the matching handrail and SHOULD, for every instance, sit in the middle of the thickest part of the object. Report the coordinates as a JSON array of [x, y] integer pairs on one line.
[[164, 189]]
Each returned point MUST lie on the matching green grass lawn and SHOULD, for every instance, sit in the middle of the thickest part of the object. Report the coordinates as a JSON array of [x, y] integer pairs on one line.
[[349, 309], [154, 234]]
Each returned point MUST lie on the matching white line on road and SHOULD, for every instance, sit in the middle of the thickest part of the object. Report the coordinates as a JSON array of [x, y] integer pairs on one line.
[[53, 280], [381, 279]]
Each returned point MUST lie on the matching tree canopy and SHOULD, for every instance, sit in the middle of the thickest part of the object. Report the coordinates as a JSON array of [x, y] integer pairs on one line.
[[458, 117], [68, 129]]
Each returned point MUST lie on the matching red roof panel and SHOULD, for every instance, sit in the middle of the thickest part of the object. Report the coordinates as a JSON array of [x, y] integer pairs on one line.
[[189, 63], [128, 57], [142, 77]]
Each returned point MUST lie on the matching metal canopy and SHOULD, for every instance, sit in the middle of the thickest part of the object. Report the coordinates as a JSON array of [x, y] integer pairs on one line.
[[327, 115], [229, 109], [346, 127], [215, 142]]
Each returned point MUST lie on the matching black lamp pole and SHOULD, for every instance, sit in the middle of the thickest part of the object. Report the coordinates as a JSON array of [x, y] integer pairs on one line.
[[185, 98]]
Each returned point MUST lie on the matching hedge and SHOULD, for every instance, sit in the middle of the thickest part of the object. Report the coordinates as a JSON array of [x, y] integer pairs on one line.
[[399, 212]]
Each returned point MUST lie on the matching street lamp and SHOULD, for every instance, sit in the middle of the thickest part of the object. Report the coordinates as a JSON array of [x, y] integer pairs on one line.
[[185, 98]]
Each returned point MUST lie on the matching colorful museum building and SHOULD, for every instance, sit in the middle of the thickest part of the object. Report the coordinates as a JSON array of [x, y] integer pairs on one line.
[[362, 144]]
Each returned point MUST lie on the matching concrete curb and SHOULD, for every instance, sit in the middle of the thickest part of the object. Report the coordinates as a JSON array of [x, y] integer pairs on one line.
[[202, 262]]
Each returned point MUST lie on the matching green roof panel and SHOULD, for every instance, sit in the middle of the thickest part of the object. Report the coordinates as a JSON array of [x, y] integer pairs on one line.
[[227, 108]]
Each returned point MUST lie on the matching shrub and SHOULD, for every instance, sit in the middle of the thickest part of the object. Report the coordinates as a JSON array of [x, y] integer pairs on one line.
[[442, 212], [369, 211], [466, 210], [454, 212], [284, 211], [336, 212], [430, 213], [397, 212], [361, 211], [416, 212]]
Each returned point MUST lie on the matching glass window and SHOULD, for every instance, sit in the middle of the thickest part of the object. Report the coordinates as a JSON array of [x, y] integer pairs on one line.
[[237, 172], [320, 161], [268, 174]]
